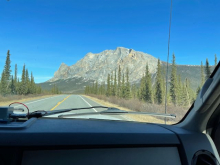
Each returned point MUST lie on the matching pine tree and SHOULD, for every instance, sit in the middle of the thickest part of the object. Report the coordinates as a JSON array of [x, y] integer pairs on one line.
[[127, 86], [216, 61], [119, 82], [148, 86], [173, 82], [7, 73], [23, 87], [123, 87], [7, 68], [142, 89], [96, 88], [27, 82], [111, 84], [108, 91], [12, 86], [186, 93], [32, 85], [202, 75], [133, 91], [207, 69], [3, 84], [16, 79], [179, 91], [158, 88], [115, 85]]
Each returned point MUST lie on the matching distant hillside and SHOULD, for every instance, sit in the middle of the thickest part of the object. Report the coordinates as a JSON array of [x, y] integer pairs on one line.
[[96, 67], [71, 85]]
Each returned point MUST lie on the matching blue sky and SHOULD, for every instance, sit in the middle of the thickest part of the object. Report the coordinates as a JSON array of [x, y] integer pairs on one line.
[[44, 33]]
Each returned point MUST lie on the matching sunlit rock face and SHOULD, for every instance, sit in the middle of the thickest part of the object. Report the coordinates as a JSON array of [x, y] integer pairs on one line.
[[98, 66]]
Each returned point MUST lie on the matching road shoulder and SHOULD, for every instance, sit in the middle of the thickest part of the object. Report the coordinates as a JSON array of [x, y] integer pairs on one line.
[[137, 118]]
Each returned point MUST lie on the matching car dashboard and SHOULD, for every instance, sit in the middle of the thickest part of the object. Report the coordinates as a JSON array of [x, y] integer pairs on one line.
[[77, 141]]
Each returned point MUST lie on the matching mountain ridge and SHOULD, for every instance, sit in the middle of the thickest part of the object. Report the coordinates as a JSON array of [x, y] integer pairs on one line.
[[96, 67]]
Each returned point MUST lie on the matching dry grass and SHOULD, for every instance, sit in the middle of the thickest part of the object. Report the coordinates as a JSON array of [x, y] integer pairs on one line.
[[139, 106], [5, 101]]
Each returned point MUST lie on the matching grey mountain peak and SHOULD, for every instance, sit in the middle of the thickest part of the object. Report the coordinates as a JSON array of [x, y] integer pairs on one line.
[[97, 66]]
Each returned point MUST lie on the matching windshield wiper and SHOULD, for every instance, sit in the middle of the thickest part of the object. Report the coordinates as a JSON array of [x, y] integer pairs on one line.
[[41, 113], [115, 111]]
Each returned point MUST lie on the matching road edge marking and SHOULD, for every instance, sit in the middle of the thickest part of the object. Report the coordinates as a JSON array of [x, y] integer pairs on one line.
[[60, 102], [88, 103]]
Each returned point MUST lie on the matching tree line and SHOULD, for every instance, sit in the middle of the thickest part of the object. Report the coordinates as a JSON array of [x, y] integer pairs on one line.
[[12, 85], [151, 90]]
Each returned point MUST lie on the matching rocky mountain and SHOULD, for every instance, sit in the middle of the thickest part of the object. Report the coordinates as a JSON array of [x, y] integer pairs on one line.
[[97, 66]]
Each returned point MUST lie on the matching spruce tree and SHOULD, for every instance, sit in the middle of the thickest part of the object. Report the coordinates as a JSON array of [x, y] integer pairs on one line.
[[216, 61], [108, 91], [127, 86], [115, 85], [16, 78], [3, 84], [202, 75], [111, 85], [27, 82], [142, 89], [119, 82], [186, 92], [207, 69], [32, 85], [123, 86], [173, 82], [148, 86], [7, 68], [96, 88], [158, 87], [12, 86], [23, 87], [133, 91], [7, 73]]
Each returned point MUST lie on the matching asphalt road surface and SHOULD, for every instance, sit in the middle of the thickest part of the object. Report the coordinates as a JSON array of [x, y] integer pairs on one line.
[[68, 101]]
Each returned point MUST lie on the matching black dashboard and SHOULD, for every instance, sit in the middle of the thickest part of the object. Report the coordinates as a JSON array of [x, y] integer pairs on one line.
[[78, 141]]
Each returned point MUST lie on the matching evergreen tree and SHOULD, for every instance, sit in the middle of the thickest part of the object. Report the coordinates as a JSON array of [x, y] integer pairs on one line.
[[108, 91], [142, 89], [7, 73], [119, 81], [3, 84], [23, 87], [127, 86], [7, 68], [12, 86], [115, 85], [27, 82], [202, 75], [15, 78], [148, 86], [186, 93], [173, 82], [133, 91], [123, 87], [32, 85], [111, 84], [158, 88], [179, 91], [96, 88], [207, 69], [216, 61]]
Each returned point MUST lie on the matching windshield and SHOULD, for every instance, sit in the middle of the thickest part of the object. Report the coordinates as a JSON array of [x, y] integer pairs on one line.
[[73, 54]]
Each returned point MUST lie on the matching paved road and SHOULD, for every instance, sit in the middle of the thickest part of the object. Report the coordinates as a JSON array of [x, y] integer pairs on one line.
[[68, 101]]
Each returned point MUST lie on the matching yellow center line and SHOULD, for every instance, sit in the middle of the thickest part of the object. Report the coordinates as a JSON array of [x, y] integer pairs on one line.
[[60, 102]]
